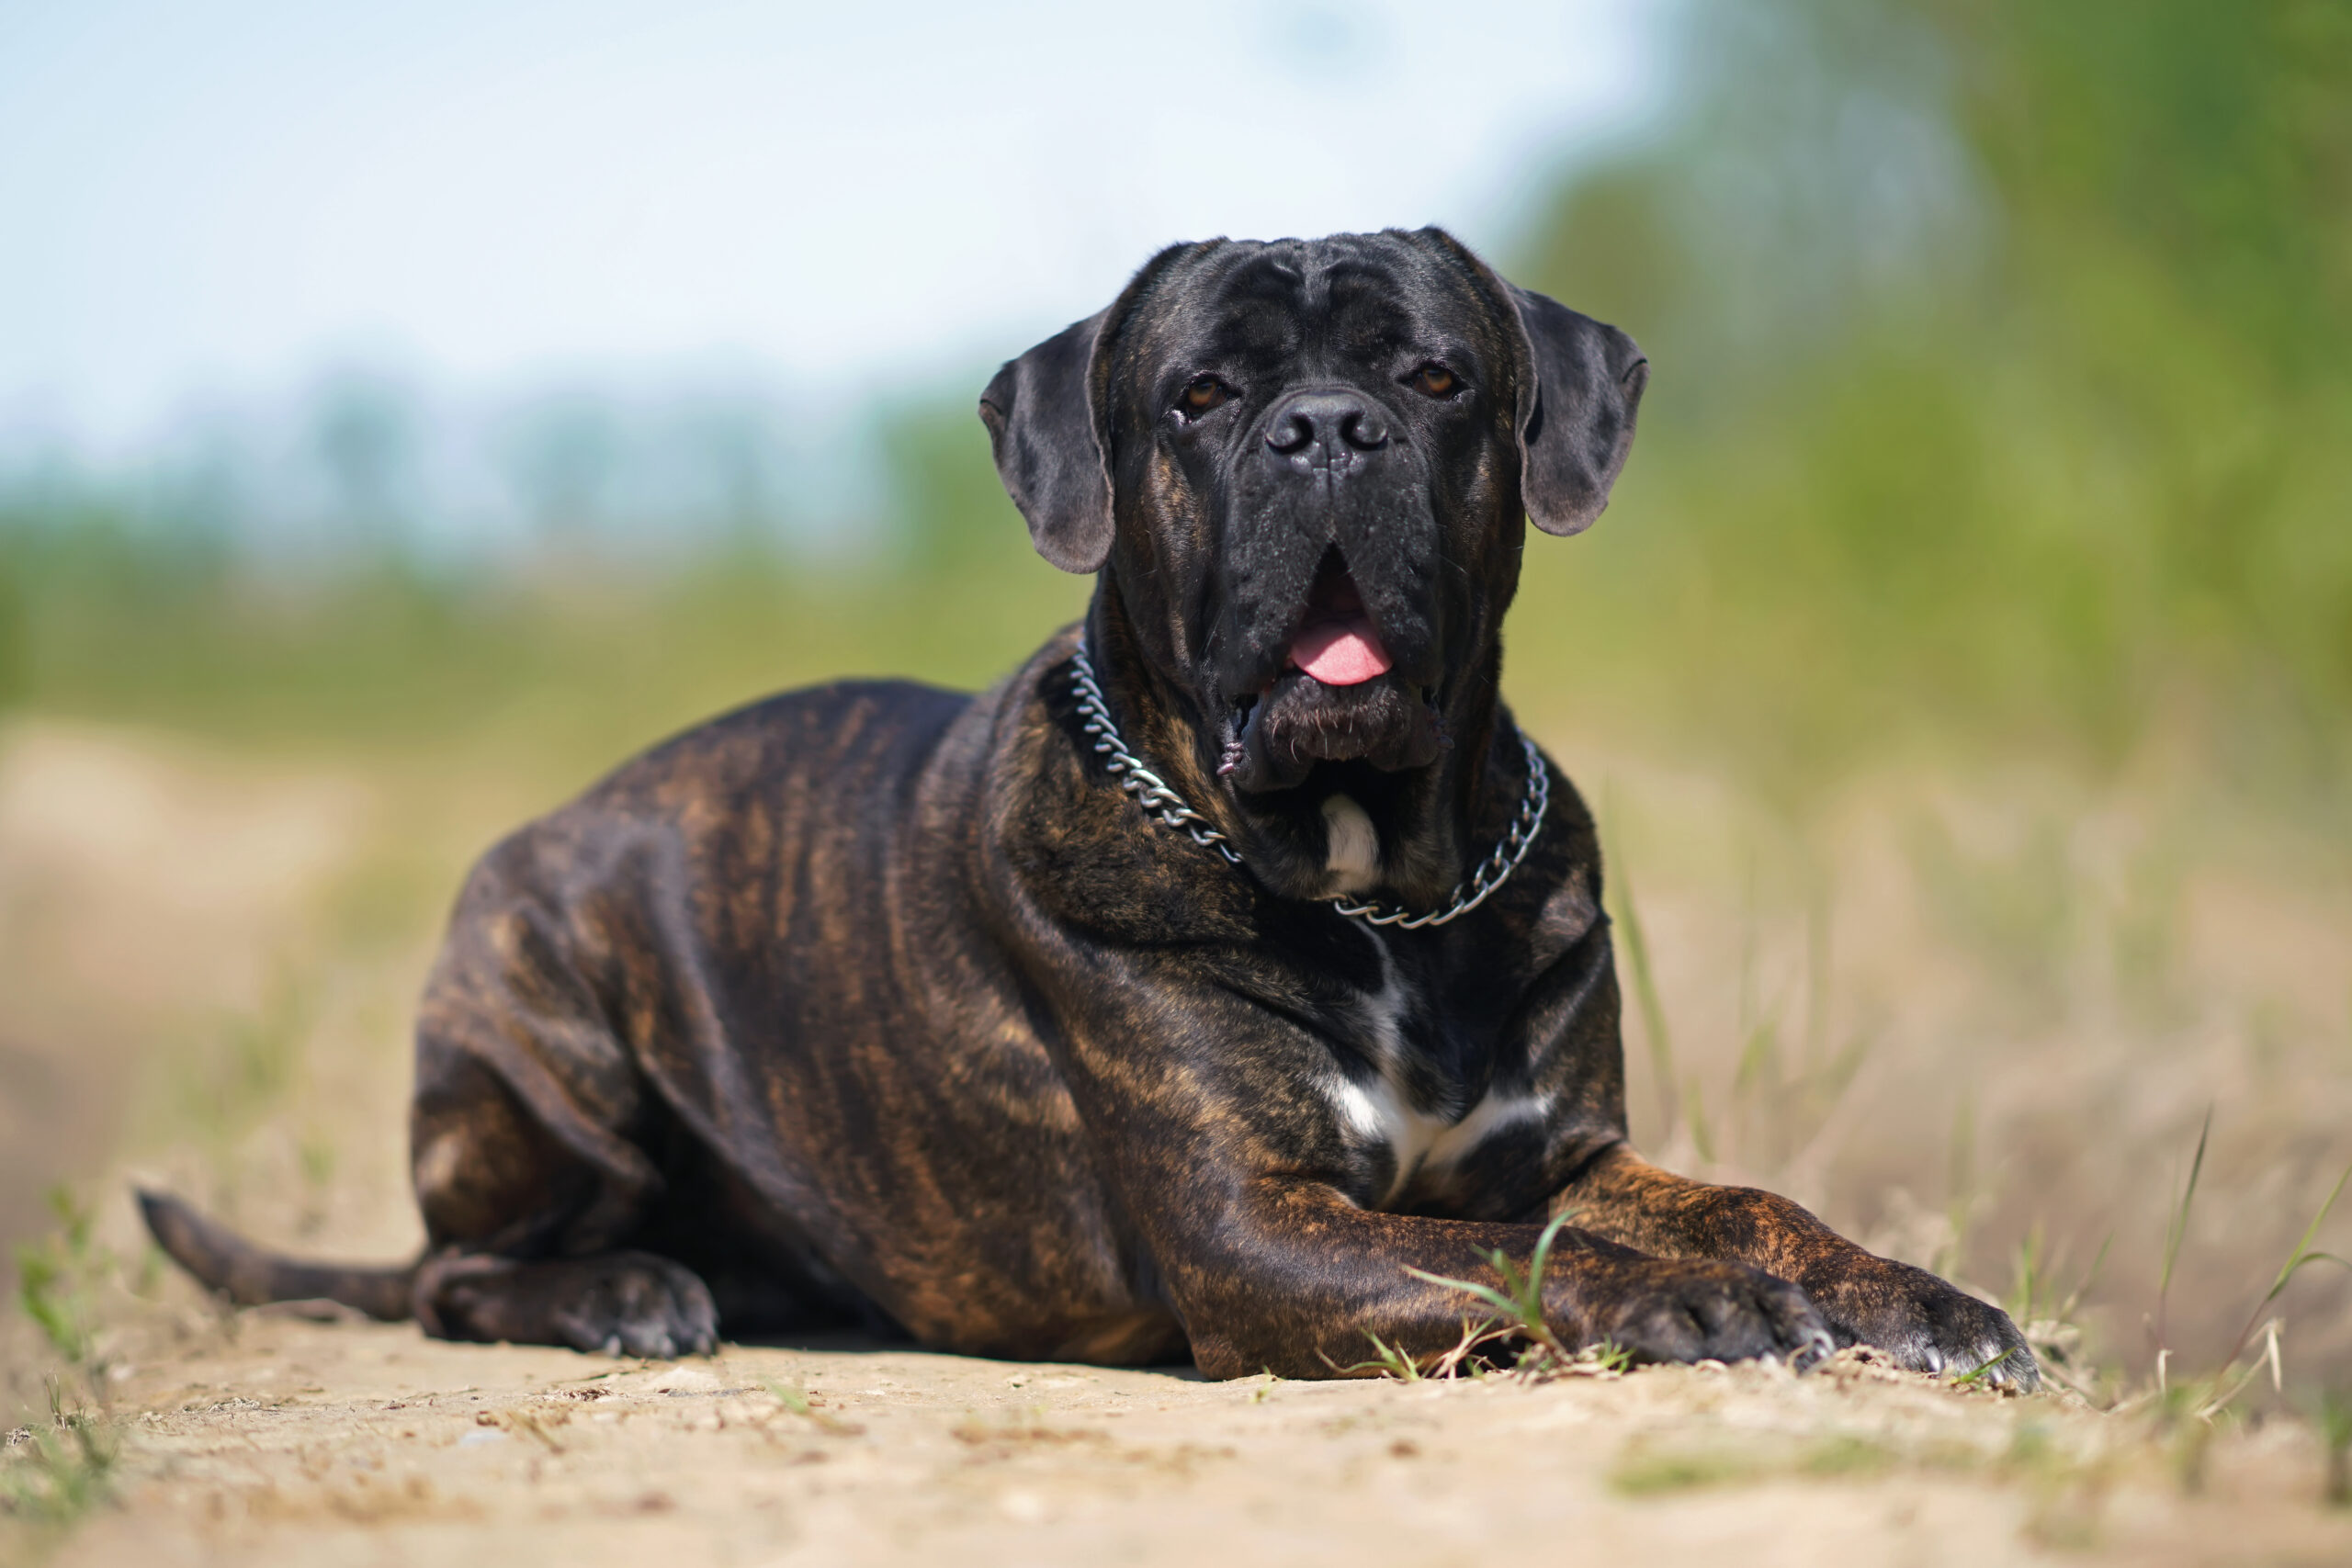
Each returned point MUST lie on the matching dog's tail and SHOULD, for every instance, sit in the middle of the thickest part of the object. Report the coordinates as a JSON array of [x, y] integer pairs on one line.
[[224, 1261]]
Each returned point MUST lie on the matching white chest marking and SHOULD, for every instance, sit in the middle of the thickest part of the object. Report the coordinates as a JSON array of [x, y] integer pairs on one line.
[[1383, 1112], [1354, 860]]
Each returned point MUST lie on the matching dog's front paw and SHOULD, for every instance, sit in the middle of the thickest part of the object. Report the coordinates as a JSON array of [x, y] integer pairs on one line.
[[1925, 1324], [1696, 1311]]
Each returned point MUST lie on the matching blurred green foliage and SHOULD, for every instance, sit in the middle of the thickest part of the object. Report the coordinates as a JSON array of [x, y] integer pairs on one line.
[[2003, 397], [578, 652], [2003, 383]]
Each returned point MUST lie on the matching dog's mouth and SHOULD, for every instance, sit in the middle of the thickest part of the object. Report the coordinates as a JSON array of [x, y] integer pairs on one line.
[[1336, 642], [1336, 699]]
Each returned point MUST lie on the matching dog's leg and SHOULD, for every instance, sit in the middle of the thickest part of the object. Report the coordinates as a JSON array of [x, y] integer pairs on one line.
[[1297, 1278], [630, 1303], [1926, 1323], [499, 1190]]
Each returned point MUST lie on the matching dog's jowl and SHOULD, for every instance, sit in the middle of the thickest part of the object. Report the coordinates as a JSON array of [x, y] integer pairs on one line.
[[1232, 965]]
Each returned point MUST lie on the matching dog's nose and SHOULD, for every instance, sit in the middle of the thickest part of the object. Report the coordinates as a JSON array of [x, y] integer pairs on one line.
[[1330, 420]]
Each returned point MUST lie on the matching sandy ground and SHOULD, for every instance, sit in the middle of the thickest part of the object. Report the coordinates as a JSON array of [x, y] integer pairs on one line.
[[271, 1441]]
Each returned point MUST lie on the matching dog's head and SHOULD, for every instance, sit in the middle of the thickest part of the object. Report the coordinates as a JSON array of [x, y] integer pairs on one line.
[[1304, 468]]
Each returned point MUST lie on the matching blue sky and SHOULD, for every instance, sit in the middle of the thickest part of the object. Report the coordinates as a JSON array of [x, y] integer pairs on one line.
[[217, 198]]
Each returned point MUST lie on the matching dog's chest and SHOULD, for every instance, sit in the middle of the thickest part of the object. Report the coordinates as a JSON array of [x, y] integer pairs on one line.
[[1408, 1105]]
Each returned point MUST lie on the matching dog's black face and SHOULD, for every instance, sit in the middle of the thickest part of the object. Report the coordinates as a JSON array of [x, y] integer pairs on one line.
[[1301, 434], [1305, 466]]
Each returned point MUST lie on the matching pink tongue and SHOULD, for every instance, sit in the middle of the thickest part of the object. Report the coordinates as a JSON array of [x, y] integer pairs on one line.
[[1339, 653]]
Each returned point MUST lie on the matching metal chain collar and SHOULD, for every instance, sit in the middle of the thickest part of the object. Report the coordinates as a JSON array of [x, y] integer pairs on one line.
[[1166, 808]]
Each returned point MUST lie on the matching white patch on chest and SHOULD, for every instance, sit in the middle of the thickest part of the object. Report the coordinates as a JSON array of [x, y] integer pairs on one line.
[[1354, 858], [1382, 1111]]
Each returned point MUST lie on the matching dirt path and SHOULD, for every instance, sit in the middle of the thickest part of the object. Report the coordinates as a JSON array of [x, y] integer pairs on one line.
[[273, 1440]]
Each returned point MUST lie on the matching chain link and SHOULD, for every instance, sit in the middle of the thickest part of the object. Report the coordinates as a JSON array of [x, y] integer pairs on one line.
[[1151, 791], [1166, 808]]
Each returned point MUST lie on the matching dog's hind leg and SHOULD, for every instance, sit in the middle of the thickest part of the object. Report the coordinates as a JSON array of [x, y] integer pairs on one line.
[[515, 1217], [539, 1150], [493, 1182]]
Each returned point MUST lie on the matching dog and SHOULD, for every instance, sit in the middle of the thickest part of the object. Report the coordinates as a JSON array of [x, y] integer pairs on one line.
[[1201, 990]]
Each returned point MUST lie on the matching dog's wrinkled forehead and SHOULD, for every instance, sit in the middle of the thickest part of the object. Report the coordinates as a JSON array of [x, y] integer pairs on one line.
[[1290, 310]]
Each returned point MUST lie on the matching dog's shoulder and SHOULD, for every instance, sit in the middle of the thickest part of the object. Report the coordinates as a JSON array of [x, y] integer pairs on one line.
[[1068, 832]]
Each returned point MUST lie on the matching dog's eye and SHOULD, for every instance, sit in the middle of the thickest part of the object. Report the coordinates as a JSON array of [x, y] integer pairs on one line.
[[1203, 393], [1432, 381]]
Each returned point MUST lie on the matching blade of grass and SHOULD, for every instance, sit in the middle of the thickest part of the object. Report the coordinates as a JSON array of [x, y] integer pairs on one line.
[[2335, 1436], [1520, 1302], [1645, 997], [1486, 1294], [1959, 1181], [1388, 1360], [2074, 1297], [1988, 1367], [2296, 1261], [1703, 1132], [2030, 1271], [2176, 1231]]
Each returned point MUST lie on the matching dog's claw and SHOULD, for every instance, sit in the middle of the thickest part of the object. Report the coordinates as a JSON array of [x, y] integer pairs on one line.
[[1926, 1325]]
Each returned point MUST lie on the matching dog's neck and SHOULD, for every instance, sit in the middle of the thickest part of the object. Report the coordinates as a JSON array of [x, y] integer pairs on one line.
[[1410, 834]]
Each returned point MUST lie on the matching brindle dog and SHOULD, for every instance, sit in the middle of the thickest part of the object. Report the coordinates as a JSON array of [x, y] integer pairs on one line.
[[886, 1005]]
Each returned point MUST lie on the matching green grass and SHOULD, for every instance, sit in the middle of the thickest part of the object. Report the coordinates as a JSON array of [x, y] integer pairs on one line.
[[54, 1471], [1626, 916], [59, 1278], [1646, 1469], [55, 1474], [1513, 1314], [2199, 1401], [2334, 1420], [2175, 1232], [1645, 1472], [1387, 1359], [591, 659], [1516, 1301], [2303, 1256], [1846, 1456]]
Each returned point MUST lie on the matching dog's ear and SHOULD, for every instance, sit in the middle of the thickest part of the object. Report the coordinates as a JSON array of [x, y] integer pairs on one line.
[[1049, 415], [1575, 424], [1041, 418]]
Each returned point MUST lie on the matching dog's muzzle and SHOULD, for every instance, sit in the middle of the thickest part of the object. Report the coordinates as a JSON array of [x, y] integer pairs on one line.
[[1337, 697]]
